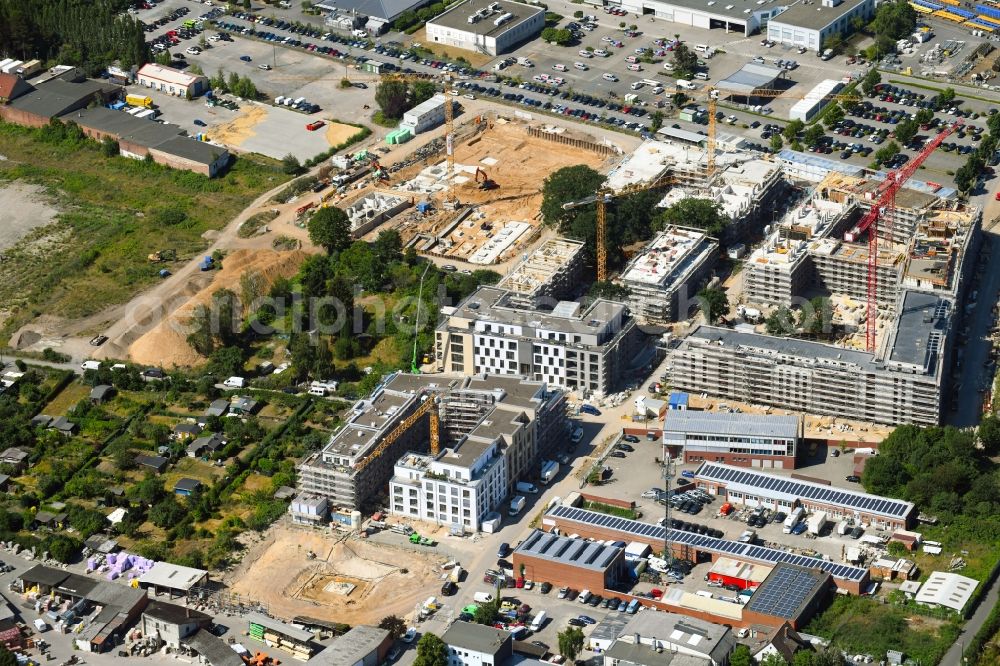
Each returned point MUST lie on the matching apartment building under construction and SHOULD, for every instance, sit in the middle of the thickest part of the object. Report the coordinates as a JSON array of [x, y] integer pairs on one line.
[[551, 273]]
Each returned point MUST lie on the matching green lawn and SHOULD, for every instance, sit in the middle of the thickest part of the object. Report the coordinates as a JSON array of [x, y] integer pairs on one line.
[[114, 212]]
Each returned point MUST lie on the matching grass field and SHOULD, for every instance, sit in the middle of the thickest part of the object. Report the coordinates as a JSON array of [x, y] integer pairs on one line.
[[114, 213], [67, 399]]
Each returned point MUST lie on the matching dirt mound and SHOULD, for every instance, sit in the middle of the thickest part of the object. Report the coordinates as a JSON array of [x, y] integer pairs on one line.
[[166, 344], [241, 128]]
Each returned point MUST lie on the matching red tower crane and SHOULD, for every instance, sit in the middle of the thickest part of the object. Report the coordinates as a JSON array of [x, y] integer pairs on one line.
[[885, 206]]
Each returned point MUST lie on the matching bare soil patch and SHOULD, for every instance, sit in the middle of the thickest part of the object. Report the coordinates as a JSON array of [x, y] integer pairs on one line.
[[25, 207]]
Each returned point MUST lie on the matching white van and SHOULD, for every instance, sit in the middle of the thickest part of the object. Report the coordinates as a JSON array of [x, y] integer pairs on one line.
[[634, 68], [637, 85], [601, 53], [701, 76], [482, 597], [609, 77], [359, 33], [559, 67], [703, 593], [235, 382], [701, 48], [584, 596], [631, 59], [539, 621], [90, 365]]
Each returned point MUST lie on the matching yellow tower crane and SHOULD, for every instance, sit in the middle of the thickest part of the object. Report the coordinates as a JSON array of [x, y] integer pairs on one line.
[[429, 408]]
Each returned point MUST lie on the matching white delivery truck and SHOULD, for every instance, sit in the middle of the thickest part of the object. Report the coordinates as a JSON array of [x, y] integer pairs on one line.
[[816, 523], [549, 470], [517, 505], [793, 518], [684, 84], [538, 621], [482, 597], [41, 625]]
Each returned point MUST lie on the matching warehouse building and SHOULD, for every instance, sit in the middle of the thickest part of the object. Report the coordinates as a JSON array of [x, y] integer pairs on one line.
[[791, 593], [173, 579], [564, 561], [751, 488], [171, 81], [815, 100], [811, 25], [361, 646], [569, 346], [277, 634], [751, 79], [744, 17], [746, 440], [661, 639], [947, 589], [490, 27], [552, 272], [692, 546], [664, 278], [745, 575]]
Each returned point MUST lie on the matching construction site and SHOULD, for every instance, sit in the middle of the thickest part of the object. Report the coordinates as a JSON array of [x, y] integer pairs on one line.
[[487, 210]]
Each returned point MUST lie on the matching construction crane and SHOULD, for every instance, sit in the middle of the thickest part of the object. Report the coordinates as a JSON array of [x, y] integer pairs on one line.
[[429, 408], [602, 199], [885, 207]]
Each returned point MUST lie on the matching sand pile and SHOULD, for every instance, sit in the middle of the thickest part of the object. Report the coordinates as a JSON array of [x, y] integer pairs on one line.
[[239, 129], [166, 344]]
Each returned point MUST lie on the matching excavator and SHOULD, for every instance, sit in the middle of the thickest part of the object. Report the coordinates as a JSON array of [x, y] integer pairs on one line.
[[485, 182]]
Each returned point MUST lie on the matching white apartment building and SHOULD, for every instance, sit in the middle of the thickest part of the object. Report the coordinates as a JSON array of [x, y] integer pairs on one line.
[[458, 487], [568, 347]]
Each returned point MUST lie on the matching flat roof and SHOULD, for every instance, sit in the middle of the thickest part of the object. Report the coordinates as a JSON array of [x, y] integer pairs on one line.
[[646, 163], [748, 571], [741, 479], [721, 423], [174, 613], [380, 9], [475, 637], [648, 531], [168, 74], [628, 653], [921, 325], [788, 591], [43, 575], [750, 78], [687, 136], [489, 304], [670, 257], [173, 576], [735, 10], [279, 627], [191, 149], [814, 16], [351, 648], [695, 634], [564, 550], [947, 589], [457, 17]]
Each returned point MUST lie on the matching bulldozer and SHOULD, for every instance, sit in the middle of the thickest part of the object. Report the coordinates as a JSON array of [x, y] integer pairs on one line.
[[485, 182]]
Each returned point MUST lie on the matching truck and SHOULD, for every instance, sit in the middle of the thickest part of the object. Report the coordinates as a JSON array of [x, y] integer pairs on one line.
[[845, 526], [41, 625], [516, 505], [139, 100], [29, 68], [549, 470], [684, 84], [793, 518], [525, 487], [816, 523], [11, 67], [455, 575], [207, 263], [482, 598]]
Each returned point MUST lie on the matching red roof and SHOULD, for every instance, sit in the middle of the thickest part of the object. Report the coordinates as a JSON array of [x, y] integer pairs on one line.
[[7, 82]]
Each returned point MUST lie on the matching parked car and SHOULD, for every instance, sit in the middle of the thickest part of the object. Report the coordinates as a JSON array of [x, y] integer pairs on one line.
[[590, 409]]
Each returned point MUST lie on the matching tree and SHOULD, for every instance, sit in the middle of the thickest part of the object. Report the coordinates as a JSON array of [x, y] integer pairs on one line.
[[246, 5], [388, 247], [391, 97], [570, 643], [886, 152], [714, 303], [609, 290], [989, 434], [773, 659], [792, 129], [834, 114], [925, 116], [780, 322], [685, 61], [895, 20], [201, 337], [62, 548], [776, 143], [741, 656], [109, 147], [7, 658], [568, 184], [431, 651], [556, 36], [817, 317], [167, 513], [906, 130], [330, 228], [656, 121], [420, 91], [813, 135], [395, 625], [701, 213], [290, 164]]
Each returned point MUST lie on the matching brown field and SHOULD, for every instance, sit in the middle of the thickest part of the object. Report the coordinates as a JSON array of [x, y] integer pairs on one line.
[[278, 572]]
